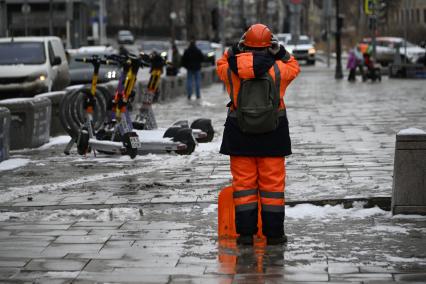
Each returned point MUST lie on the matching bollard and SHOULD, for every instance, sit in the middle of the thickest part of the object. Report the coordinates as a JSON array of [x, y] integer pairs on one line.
[[215, 76], [166, 88], [55, 122], [181, 85], [409, 178], [4, 133], [206, 78], [30, 121]]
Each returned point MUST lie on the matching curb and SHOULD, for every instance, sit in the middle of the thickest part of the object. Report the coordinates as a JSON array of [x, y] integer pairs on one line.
[[383, 203]]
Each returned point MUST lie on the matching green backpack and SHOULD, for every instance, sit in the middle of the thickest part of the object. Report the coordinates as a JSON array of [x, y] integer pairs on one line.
[[258, 103]]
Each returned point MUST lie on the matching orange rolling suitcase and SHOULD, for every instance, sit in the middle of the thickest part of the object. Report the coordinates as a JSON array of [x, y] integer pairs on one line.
[[226, 215]]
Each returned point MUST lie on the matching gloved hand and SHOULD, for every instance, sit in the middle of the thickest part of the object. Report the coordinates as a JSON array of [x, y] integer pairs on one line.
[[282, 54], [241, 42], [275, 45]]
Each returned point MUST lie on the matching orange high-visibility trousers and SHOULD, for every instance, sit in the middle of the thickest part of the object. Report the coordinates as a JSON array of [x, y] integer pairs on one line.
[[255, 177]]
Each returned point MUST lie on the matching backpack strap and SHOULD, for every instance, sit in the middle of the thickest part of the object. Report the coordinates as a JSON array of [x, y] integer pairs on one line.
[[277, 82], [231, 85]]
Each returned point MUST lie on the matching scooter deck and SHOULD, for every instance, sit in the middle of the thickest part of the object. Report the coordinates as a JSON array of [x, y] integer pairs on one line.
[[165, 144]]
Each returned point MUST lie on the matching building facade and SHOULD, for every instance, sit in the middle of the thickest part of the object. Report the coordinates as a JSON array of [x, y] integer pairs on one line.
[[407, 18], [66, 19]]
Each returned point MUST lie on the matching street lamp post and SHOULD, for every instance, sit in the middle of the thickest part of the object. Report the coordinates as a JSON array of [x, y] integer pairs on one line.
[[3, 19], [26, 9], [173, 17], [339, 73], [50, 17]]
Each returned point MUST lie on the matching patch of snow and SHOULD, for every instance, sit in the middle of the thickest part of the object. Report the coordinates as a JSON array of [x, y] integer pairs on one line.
[[391, 229], [322, 212], [207, 104], [404, 259], [12, 164], [411, 131], [116, 214], [402, 216], [167, 161], [63, 274], [59, 140], [213, 146], [155, 135], [211, 209]]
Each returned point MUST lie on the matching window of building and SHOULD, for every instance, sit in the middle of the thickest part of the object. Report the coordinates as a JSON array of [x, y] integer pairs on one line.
[[418, 15]]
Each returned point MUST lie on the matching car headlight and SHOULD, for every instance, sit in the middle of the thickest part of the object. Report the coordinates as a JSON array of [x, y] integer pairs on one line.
[[36, 77], [210, 54], [111, 74], [311, 50], [163, 54]]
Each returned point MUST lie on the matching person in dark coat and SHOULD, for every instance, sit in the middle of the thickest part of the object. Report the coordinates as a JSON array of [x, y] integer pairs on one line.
[[191, 60]]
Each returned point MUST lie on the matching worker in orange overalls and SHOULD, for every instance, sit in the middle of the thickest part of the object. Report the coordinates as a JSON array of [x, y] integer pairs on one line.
[[257, 161]]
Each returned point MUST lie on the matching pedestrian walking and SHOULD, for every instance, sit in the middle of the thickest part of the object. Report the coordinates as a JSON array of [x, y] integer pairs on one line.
[[351, 65], [358, 51], [191, 60], [256, 72]]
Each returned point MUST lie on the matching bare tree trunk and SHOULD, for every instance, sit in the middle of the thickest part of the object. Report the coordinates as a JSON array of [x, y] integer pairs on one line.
[[262, 6]]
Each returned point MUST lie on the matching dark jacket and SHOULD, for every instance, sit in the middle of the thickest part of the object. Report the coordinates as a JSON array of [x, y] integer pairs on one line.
[[157, 62], [192, 58], [245, 66]]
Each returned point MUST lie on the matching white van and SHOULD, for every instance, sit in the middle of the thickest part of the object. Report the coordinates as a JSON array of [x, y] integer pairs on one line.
[[32, 65]]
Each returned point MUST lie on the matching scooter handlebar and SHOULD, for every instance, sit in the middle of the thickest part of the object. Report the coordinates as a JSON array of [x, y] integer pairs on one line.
[[95, 59]]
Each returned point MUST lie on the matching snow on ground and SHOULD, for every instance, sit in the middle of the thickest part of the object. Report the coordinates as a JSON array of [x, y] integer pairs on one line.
[[405, 259], [117, 214], [391, 229], [411, 131], [59, 140], [12, 164], [302, 211]]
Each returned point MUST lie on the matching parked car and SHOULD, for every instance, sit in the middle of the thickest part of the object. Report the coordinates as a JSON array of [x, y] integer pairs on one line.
[[386, 49], [302, 48], [32, 65], [161, 47], [283, 37], [208, 51], [125, 37], [81, 73]]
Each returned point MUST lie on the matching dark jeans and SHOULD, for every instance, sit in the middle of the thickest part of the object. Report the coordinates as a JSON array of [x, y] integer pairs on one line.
[[193, 76]]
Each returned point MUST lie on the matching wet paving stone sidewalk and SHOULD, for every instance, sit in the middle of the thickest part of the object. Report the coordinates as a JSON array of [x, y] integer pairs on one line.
[[72, 219]]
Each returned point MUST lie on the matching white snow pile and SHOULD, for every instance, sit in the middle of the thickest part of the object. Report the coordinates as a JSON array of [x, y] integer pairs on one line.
[[59, 140], [411, 131], [12, 164], [302, 211], [113, 214]]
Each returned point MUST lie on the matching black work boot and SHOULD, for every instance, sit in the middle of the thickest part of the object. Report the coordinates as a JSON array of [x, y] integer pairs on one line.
[[276, 240], [245, 240]]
